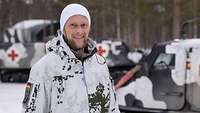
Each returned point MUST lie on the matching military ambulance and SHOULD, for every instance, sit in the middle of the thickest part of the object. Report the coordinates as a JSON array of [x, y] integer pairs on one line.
[[22, 45], [115, 53], [168, 82]]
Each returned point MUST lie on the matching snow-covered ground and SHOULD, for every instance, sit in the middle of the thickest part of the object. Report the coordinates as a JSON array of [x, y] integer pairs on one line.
[[11, 96]]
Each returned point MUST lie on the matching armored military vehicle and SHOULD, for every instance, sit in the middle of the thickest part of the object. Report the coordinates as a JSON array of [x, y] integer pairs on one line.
[[115, 52], [22, 45], [168, 81]]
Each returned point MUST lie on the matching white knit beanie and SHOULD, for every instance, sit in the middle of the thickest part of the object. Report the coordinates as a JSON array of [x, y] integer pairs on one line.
[[71, 10]]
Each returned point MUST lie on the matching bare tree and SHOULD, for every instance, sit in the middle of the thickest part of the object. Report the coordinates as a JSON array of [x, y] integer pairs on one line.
[[176, 19], [137, 26]]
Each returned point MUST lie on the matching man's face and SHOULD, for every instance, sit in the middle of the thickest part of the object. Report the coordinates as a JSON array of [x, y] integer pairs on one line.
[[76, 31]]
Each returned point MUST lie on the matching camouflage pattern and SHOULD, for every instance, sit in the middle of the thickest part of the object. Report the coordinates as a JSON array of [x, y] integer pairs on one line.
[[23, 44], [20, 55], [169, 80], [63, 83]]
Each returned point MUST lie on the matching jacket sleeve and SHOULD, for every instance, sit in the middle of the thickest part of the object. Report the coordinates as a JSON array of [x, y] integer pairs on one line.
[[36, 98], [114, 107]]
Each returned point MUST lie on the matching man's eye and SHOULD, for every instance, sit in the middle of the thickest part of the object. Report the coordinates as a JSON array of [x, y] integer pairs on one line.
[[83, 25], [73, 25]]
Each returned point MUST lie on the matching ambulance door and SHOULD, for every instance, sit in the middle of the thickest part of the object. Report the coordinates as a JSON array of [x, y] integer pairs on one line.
[[193, 80], [165, 88]]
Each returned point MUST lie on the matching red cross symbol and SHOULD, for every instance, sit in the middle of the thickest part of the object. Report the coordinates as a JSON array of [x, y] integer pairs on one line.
[[101, 50], [12, 55]]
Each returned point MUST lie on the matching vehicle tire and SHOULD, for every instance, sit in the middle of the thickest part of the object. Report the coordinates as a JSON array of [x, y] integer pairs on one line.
[[5, 78], [24, 78]]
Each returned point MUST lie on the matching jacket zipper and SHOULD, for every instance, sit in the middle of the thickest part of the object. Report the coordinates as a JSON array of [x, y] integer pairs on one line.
[[84, 80]]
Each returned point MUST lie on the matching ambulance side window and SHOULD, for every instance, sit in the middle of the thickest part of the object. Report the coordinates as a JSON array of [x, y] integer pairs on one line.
[[165, 61]]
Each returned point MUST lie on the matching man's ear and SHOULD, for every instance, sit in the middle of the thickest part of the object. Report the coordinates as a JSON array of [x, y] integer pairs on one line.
[[64, 33]]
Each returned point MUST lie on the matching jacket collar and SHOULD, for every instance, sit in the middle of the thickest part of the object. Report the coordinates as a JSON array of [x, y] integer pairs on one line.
[[60, 47]]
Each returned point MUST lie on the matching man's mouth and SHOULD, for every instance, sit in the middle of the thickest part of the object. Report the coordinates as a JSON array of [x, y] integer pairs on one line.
[[79, 37]]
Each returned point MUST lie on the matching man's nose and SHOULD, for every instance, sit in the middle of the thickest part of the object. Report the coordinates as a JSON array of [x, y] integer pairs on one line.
[[79, 30]]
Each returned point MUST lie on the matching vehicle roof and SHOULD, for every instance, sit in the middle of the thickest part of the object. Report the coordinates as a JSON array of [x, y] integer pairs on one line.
[[26, 24], [186, 43]]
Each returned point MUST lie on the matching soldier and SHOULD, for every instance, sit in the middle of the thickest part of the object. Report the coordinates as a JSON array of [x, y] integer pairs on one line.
[[71, 77]]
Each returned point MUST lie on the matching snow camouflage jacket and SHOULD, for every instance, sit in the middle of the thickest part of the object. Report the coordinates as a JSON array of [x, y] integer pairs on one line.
[[60, 83]]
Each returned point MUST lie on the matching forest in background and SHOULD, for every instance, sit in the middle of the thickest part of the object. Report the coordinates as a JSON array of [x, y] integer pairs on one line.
[[139, 23]]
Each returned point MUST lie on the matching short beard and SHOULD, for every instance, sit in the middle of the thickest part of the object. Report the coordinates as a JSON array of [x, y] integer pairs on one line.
[[73, 45]]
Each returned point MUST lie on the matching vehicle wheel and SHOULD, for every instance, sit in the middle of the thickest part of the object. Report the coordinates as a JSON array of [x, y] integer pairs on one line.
[[23, 78], [5, 78], [11, 79]]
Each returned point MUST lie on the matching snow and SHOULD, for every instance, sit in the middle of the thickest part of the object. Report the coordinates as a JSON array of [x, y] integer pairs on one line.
[[11, 96]]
